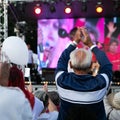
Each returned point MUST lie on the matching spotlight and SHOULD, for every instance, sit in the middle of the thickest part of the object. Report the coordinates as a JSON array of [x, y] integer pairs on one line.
[[99, 7], [68, 10], [37, 9]]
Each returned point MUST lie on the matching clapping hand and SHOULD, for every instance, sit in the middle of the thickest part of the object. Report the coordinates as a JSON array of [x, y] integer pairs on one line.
[[85, 37]]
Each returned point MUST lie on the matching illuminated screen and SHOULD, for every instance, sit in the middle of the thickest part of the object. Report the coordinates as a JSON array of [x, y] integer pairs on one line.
[[53, 36]]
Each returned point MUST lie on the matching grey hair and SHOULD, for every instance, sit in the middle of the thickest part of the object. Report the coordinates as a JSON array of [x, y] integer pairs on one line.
[[81, 58]]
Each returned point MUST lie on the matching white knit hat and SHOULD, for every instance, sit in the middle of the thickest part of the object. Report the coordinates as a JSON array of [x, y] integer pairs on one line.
[[114, 100]]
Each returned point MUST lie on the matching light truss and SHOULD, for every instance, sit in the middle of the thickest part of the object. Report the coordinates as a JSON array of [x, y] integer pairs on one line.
[[3, 20], [4, 16]]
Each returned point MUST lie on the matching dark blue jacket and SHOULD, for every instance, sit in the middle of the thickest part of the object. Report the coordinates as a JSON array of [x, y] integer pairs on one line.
[[82, 95]]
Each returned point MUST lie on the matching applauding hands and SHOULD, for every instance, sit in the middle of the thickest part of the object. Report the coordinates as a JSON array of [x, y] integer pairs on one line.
[[82, 35]]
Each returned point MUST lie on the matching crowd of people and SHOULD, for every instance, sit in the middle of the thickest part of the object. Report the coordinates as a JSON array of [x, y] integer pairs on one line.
[[18, 100], [111, 46]]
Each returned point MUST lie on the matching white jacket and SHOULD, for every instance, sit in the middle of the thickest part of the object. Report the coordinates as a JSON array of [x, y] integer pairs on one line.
[[14, 105], [48, 116], [37, 109]]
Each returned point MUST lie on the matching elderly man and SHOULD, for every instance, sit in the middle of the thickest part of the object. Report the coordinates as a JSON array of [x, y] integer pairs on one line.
[[82, 93]]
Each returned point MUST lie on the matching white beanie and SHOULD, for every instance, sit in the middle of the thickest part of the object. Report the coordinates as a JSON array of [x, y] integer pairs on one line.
[[116, 100]]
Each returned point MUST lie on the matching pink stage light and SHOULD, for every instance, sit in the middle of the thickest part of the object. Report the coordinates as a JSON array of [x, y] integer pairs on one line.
[[37, 10]]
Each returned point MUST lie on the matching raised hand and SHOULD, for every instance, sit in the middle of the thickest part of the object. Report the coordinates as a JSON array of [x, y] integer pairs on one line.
[[111, 29], [77, 36], [85, 37]]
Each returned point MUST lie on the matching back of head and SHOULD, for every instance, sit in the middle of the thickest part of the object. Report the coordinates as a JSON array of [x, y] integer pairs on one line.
[[54, 96], [81, 59]]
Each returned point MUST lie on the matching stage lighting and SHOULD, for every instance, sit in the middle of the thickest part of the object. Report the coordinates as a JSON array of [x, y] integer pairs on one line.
[[37, 9], [52, 8], [99, 7], [84, 6], [68, 10]]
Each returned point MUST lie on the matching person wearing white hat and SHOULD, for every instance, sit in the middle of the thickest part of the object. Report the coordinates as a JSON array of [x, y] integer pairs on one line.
[[112, 106], [13, 103]]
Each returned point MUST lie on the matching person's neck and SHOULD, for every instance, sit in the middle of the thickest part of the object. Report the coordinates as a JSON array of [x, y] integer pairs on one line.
[[5, 84], [80, 72]]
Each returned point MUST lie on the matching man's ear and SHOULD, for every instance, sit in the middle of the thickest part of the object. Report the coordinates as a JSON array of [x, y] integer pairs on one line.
[[71, 65]]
